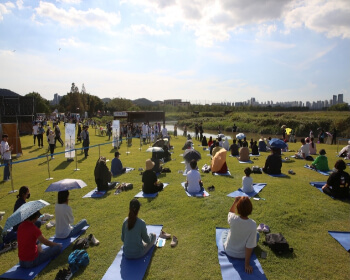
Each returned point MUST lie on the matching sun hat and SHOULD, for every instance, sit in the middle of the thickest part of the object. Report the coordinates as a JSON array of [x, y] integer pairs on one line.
[[149, 164]]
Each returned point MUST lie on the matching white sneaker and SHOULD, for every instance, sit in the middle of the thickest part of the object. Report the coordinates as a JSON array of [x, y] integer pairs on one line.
[[50, 224], [92, 239], [46, 217]]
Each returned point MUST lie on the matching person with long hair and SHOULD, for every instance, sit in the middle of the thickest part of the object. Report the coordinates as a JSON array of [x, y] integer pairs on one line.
[[338, 182], [137, 242], [64, 217], [240, 240], [312, 147], [22, 197]]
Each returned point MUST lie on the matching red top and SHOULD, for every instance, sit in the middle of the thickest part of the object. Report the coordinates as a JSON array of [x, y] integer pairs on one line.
[[27, 236]]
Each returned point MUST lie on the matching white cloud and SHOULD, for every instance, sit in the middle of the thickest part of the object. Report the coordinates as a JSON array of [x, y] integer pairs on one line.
[[96, 18], [5, 9], [71, 42], [69, 1], [19, 4], [266, 30], [329, 17], [144, 29]]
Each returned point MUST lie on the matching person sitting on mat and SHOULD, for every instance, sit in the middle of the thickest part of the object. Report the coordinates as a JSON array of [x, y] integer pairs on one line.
[[338, 182], [103, 176], [273, 163], [234, 148], [64, 217], [244, 152], [345, 152], [194, 183], [240, 240], [262, 145], [29, 253], [247, 181], [116, 165], [304, 150], [150, 180], [321, 162], [255, 149], [218, 162], [137, 242], [210, 142]]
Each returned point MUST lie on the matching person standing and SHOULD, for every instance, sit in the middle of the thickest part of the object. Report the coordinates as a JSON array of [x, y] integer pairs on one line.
[[201, 131], [86, 140], [58, 135], [35, 132], [40, 136], [52, 139], [175, 130], [6, 150], [334, 137]]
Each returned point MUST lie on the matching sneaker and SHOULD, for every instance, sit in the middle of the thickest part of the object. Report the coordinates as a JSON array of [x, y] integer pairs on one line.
[[266, 229], [260, 228], [52, 157], [7, 247], [164, 235], [92, 239], [46, 217], [50, 224], [291, 172], [174, 241], [211, 188]]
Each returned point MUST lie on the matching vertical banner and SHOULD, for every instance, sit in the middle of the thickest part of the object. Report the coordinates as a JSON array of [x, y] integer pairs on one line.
[[115, 133], [69, 143]]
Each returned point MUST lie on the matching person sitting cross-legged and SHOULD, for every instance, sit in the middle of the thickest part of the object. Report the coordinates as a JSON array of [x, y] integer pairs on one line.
[[150, 180], [116, 165], [273, 163], [338, 182], [103, 176], [321, 162], [194, 183]]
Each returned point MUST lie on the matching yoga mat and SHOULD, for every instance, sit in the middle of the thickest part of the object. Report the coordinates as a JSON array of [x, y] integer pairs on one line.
[[326, 173], [141, 194], [233, 156], [223, 174], [257, 188], [233, 268], [128, 169], [342, 237], [251, 155], [249, 161], [319, 185], [133, 269], [199, 194], [95, 194], [18, 272]]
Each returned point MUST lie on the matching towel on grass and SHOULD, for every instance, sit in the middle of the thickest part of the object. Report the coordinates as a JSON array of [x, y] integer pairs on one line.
[[326, 173], [149, 195], [131, 269], [198, 194], [257, 188], [95, 194], [223, 174], [233, 268]]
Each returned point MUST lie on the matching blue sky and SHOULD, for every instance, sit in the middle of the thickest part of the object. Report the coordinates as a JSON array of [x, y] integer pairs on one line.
[[200, 51]]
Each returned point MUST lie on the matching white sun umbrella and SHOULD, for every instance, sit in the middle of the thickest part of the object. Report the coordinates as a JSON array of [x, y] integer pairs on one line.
[[66, 185], [240, 136]]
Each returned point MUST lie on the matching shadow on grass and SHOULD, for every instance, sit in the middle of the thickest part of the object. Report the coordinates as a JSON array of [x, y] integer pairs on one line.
[[258, 250], [35, 150], [63, 165], [27, 148]]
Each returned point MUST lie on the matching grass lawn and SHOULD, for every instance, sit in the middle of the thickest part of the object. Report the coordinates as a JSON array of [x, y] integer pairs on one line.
[[293, 207]]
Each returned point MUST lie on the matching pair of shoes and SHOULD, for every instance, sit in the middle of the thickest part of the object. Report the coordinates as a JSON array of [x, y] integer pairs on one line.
[[51, 224], [263, 228], [211, 188], [7, 247], [164, 235], [46, 217], [64, 274], [174, 241], [52, 157], [291, 172], [92, 240]]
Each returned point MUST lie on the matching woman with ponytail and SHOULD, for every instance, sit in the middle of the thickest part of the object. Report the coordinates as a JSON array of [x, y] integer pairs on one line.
[[137, 242]]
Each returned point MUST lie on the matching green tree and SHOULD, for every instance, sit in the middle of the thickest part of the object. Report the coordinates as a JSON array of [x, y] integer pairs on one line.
[[119, 104], [41, 105]]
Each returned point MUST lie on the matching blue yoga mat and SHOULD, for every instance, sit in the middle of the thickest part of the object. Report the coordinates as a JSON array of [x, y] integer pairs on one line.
[[149, 195], [133, 269], [257, 188], [199, 194], [18, 272], [254, 155], [276, 175], [319, 185], [95, 194], [249, 161], [233, 268], [342, 237], [228, 173], [326, 173]]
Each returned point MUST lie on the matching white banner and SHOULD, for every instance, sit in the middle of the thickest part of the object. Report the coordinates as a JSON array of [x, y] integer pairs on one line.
[[69, 143], [115, 133]]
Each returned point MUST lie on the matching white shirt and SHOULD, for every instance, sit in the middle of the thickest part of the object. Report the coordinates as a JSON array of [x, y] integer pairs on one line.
[[193, 178], [304, 150], [35, 129], [64, 217], [247, 184], [164, 132], [5, 150], [242, 234]]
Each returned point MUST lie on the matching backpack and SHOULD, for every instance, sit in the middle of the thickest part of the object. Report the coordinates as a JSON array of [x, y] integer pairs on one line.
[[77, 259], [206, 168], [256, 170], [277, 243], [81, 243], [166, 170]]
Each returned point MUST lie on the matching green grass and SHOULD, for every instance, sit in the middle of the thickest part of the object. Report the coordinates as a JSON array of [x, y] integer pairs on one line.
[[292, 207]]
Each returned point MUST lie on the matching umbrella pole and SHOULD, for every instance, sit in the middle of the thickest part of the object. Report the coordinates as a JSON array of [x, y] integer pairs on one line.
[[76, 161], [13, 190], [48, 168]]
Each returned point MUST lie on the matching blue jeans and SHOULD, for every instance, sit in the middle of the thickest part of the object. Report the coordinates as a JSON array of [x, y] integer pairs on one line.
[[7, 169], [47, 254], [77, 228]]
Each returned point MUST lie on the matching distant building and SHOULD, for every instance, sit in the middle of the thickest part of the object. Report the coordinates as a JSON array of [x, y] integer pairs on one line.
[[56, 99], [335, 100], [176, 102], [340, 98]]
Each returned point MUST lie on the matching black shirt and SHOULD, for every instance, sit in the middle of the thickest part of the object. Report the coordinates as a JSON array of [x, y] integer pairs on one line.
[[149, 177], [340, 184]]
